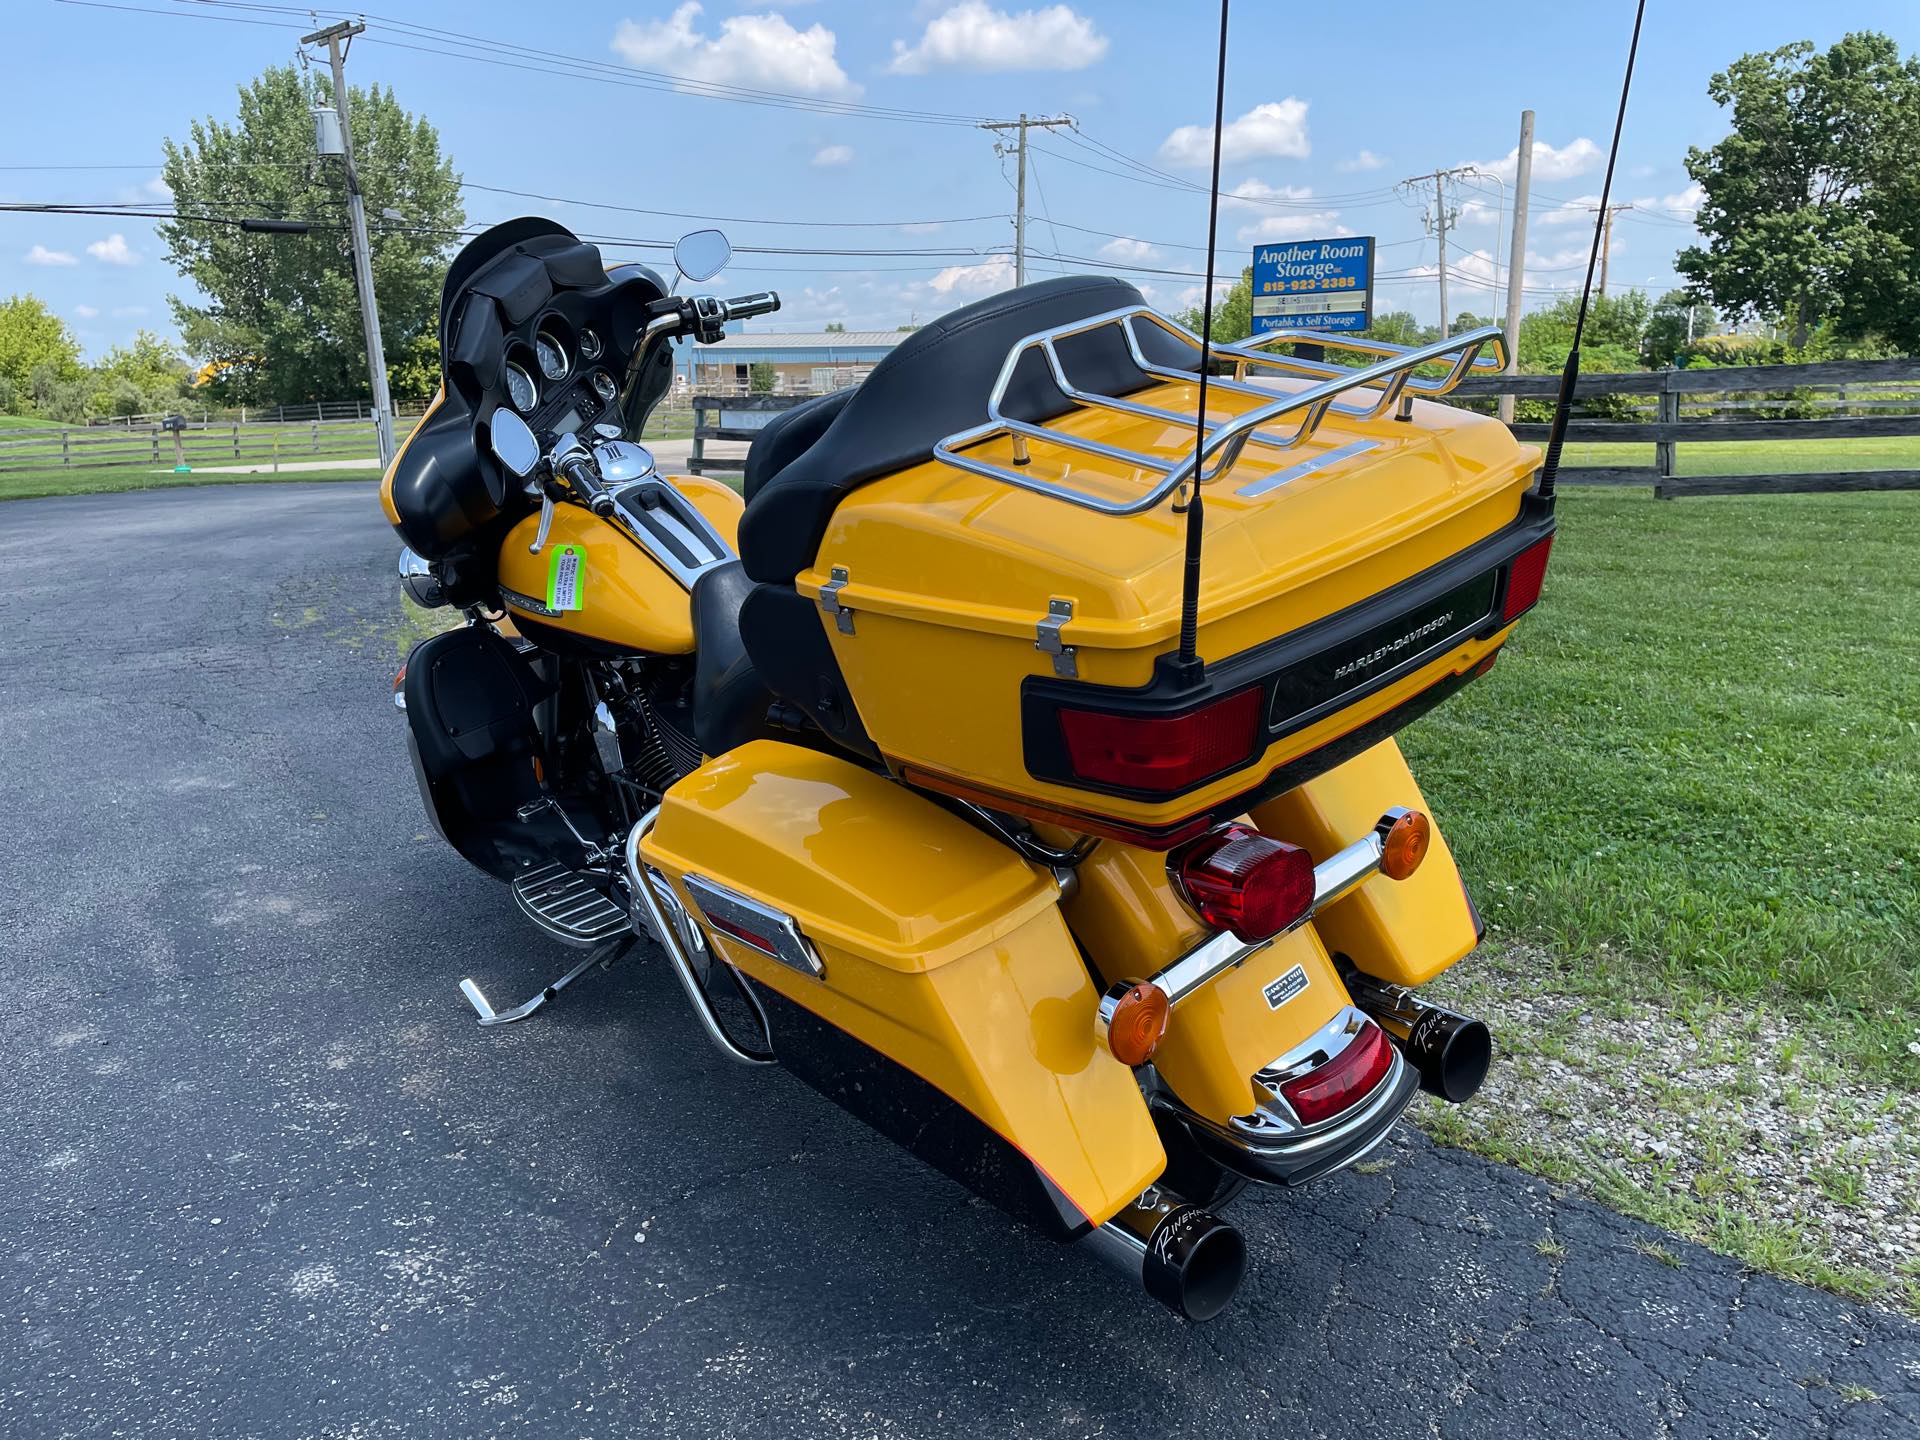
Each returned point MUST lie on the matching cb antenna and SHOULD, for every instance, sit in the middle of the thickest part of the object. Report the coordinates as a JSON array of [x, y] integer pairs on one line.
[[1189, 660], [1570, 376]]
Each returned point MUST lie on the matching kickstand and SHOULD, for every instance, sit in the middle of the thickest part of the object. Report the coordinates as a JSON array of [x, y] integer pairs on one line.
[[603, 956]]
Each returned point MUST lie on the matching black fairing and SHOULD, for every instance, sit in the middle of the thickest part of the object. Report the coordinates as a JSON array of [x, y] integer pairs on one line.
[[447, 487]]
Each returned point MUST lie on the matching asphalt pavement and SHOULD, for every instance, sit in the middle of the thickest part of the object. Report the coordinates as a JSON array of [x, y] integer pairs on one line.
[[262, 1175]]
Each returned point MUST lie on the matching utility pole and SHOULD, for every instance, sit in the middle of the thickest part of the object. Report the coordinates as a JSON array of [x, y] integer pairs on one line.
[[1606, 241], [333, 37], [1021, 126], [1517, 255], [1438, 219]]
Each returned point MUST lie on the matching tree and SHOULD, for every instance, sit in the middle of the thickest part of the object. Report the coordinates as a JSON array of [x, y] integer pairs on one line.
[[35, 340], [1676, 322], [281, 310], [1812, 210], [1466, 320], [1398, 327], [1610, 342], [761, 377], [1232, 314], [834, 327], [145, 375]]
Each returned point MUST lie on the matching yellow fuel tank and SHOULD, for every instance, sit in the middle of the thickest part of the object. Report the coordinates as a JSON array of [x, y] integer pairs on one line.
[[627, 599]]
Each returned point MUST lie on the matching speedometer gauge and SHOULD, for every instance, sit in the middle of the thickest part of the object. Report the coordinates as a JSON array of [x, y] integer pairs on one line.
[[521, 389], [553, 360]]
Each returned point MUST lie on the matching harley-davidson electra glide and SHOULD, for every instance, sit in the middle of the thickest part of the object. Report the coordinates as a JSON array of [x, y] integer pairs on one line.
[[935, 761]]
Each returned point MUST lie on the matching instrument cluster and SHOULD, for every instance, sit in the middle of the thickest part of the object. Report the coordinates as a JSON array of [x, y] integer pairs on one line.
[[563, 374]]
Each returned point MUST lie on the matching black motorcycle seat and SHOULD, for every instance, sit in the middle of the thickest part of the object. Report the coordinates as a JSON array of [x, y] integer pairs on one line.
[[782, 439], [729, 699], [932, 384]]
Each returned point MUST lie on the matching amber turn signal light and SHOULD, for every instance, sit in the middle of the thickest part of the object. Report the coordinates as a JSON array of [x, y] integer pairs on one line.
[[1405, 845], [1136, 1020]]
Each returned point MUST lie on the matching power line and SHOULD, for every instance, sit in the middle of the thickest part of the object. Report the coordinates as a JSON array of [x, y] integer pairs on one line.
[[541, 60]]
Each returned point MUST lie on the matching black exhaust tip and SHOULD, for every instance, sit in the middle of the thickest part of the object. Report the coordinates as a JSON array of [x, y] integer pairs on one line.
[[1194, 1263], [1187, 1258], [1450, 1052]]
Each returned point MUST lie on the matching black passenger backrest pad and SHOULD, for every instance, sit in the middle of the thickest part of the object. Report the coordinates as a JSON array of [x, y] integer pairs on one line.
[[933, 384]]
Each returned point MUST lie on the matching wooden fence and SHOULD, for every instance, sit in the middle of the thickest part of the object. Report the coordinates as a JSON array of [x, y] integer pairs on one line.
[[732, 417], [202, 443], [1682, 411]]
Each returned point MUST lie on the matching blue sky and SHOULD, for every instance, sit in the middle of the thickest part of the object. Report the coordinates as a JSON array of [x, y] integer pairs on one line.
[[1328, 107]]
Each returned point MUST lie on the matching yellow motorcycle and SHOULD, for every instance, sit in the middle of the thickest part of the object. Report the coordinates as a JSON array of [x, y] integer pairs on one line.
[[1012, 757]]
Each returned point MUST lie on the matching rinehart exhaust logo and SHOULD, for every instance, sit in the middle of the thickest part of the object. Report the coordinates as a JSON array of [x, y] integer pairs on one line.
[[1394, 647]]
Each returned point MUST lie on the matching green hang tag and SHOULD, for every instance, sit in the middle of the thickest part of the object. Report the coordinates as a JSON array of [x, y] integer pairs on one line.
[[566, 572]]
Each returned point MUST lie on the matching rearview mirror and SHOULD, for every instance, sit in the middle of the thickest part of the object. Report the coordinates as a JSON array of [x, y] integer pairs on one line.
[[513, 443], [702, 254]]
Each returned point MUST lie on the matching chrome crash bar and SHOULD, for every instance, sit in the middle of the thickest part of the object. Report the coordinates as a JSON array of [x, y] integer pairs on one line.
[[1392, 373], [1220, 952]]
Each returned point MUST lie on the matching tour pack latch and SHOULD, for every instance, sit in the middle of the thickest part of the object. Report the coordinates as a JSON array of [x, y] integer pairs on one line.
[[1046, 639]]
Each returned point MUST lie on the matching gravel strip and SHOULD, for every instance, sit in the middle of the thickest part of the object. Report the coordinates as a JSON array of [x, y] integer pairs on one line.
[[1728, 1121]]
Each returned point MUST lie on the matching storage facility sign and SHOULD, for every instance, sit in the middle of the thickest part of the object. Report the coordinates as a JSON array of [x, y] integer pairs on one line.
[[1313, 284]]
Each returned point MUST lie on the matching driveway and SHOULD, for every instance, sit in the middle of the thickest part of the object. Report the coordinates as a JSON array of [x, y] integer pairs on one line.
[[264, 1176]]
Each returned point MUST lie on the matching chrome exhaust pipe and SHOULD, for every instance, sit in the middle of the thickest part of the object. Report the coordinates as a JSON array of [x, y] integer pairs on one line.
[[1188, 1259], [1450, 1051]]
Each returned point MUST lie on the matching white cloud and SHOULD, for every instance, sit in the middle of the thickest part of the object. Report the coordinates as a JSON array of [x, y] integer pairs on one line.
[[1578, 211], [923, 227], [114, 250], [41, 255], [1130, 251], [1310, 225], [749, 50], [1365, 160], [158, 188], [981, 278], [975, 36], [87, 312], [1257, 194], [1682, 206], [833, 155], [1576, 157], [1278, 128], [1473, 268]]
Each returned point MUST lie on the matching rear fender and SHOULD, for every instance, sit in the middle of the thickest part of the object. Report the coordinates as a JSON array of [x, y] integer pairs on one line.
[[952, 1010], [1403, 931], [1133, 923]]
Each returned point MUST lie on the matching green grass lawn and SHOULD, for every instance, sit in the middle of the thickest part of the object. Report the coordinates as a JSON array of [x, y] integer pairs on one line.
[[1761, 457], [1698, 763], [141, 473]]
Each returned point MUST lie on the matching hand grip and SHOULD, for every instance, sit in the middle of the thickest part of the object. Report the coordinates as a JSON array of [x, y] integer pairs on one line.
[[742, 306]]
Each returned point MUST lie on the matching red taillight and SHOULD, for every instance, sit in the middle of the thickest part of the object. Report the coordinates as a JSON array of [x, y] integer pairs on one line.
[[1162, 754], [1349, 1077], [1246, 882], [1524, 579]]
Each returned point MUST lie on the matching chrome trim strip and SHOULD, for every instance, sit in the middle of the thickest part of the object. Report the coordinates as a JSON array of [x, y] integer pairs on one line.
[[730, 908], [1255, 488]]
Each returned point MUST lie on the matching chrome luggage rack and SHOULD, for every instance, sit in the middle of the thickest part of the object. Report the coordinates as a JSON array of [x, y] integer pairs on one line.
[[1392, 373]]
